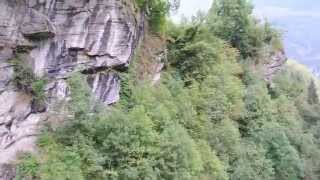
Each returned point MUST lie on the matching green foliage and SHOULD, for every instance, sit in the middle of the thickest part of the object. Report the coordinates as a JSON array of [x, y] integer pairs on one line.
[[297, 115], [23, 76], [258, 108], [25, 80], [195, 60], [209, 69], [225, 140], [285, 158], [82, 100], [157, 11], [60, 162], [153, 139], [53, 162], [292, 81], [38, 87], [179, 157], [125, 90], [313, 97], [140, 3], [253, 164], [213, 168], [28, 167], [232, 21]]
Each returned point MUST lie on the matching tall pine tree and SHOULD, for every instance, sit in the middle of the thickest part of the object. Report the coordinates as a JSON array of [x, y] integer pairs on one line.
[[313, 97]]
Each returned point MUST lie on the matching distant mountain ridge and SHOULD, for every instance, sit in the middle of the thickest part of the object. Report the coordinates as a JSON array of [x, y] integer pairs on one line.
[[299, 21]]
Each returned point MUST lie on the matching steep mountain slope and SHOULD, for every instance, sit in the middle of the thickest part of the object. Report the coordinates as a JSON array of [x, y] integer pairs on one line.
[[211, 98]]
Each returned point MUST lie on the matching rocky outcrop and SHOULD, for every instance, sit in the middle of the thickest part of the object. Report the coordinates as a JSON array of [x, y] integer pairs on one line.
[[152, 58], [58, 38], [18, 126], [274, 64], [7, 172], [106, 86]]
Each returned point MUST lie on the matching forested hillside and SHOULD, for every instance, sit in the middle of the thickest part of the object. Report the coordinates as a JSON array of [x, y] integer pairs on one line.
[[221, 110]]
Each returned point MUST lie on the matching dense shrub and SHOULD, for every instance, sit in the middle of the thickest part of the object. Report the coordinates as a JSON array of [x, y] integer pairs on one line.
[[25, 80], [157, 11], [232, 21]]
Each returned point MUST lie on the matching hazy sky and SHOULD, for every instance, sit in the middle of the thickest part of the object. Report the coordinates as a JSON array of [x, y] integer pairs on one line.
[[272, 9], [279, 9], [191, 7]]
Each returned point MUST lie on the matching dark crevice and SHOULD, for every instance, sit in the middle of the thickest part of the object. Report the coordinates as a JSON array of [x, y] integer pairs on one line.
[[95, 70]]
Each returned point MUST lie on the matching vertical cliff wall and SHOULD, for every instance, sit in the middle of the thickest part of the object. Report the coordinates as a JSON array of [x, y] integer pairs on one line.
[[57, 38]]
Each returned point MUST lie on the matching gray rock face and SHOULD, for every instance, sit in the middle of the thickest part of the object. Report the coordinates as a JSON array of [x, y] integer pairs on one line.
[[18, 126], [58, 38], [69, 35], [274, 65], [7, 172], [106, 86]]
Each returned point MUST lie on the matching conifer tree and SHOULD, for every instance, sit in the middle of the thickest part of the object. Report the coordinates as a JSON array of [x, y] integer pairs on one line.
[[230, 20], [313, 97]]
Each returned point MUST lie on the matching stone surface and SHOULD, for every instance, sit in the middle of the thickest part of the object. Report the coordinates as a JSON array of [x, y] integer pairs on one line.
[[70, 35], [7, 172], [275, 62], [18, 126], [58, 38], [106, 86]]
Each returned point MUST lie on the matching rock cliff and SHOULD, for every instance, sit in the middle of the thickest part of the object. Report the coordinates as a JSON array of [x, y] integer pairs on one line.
[[57, 38], [276, 61]]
